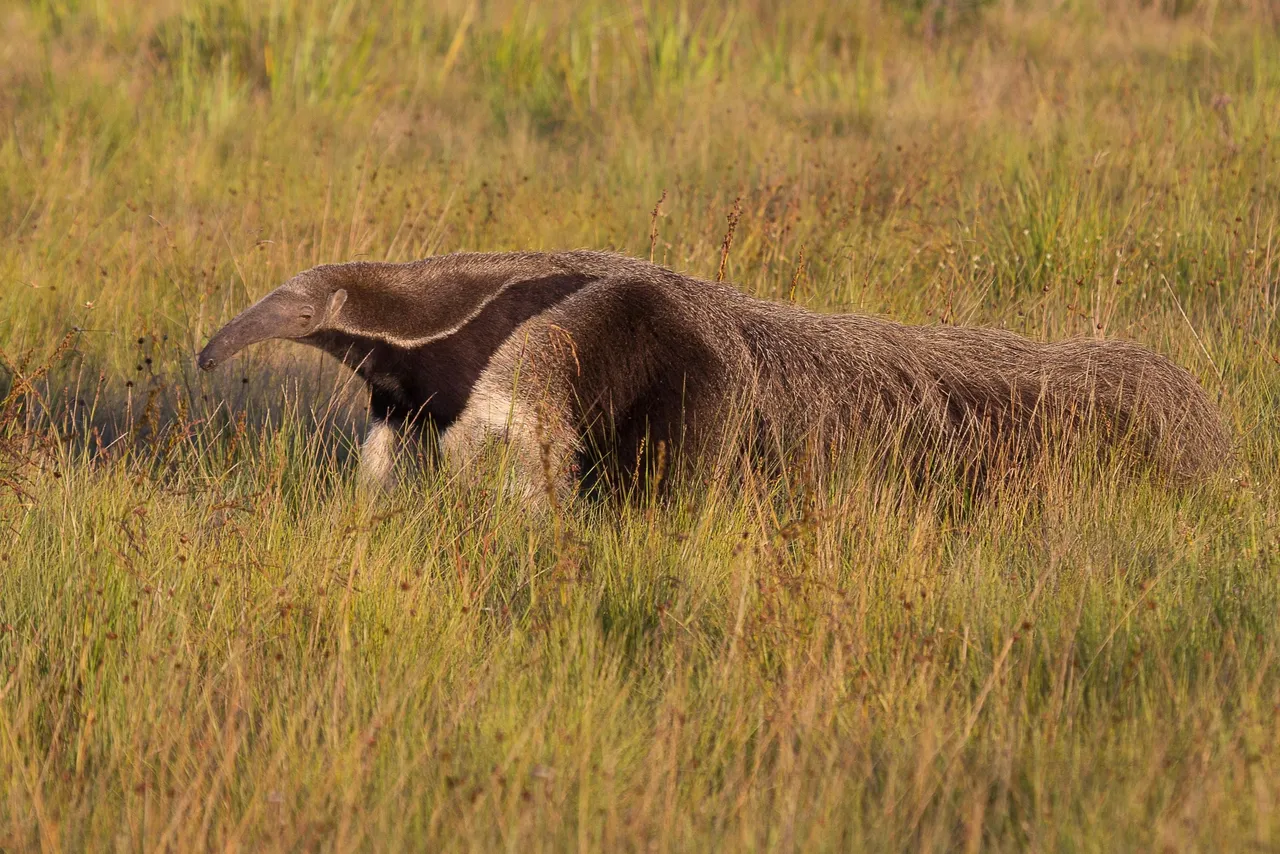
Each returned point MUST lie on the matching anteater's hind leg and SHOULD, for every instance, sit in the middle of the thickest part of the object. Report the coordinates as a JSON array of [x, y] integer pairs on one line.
[[526, 426]]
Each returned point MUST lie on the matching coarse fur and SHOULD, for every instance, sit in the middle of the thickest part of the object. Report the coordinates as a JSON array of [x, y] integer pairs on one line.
[[587, 363]]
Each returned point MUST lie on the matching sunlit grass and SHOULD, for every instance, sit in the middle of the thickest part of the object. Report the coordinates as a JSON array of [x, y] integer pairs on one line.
[[208, 638]]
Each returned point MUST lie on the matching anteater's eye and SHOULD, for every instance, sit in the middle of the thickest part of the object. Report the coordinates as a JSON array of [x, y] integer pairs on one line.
[[306, 312]]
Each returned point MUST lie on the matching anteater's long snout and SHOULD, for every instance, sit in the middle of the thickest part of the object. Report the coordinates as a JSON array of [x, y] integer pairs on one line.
[[205, 361], [277, 315], [228, 341]]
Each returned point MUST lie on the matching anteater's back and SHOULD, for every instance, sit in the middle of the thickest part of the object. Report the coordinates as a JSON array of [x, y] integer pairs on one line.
[[982, 393]]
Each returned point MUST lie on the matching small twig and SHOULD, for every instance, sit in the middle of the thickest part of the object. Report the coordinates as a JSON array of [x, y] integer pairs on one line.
[[660, 467], [1204, 349], [732, 217], [653, 224], [552, 329], [797, 276]]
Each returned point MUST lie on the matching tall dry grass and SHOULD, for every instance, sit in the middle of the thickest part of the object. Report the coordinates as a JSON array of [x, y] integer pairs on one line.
[[208, 640]]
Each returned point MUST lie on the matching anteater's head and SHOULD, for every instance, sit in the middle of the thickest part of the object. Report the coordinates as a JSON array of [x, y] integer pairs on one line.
[[310, 303], [402, 305]]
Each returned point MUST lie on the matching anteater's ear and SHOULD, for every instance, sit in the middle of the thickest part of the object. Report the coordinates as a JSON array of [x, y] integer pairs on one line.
[[336, 302]]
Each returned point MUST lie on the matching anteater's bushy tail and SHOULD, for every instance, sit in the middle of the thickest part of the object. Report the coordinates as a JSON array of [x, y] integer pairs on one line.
[[1002, 389]]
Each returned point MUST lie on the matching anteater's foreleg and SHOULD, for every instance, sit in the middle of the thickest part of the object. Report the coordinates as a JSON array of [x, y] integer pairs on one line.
[[378, 453]]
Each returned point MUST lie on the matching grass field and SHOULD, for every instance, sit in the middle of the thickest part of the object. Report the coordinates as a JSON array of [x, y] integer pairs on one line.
[[209, 639]]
